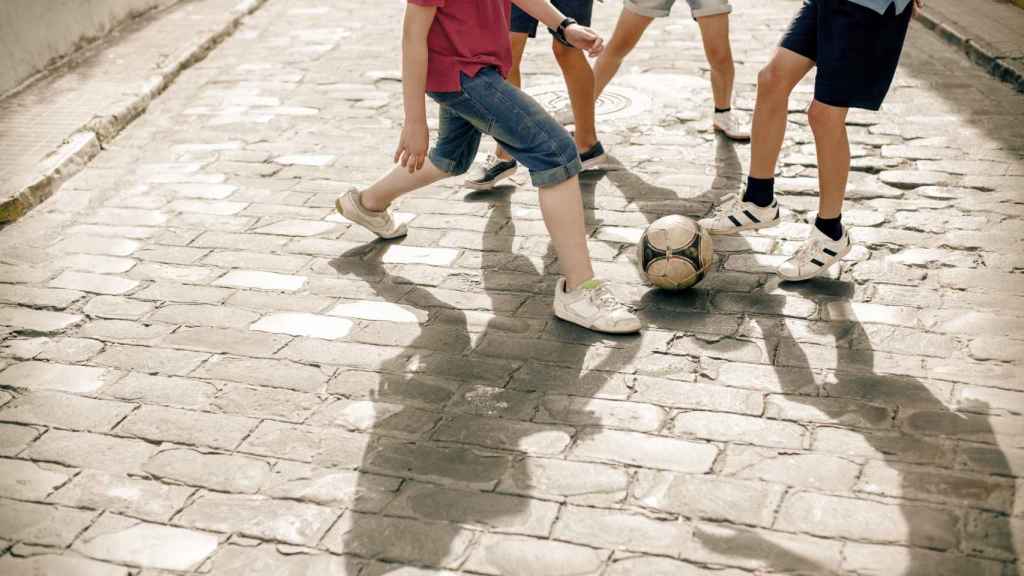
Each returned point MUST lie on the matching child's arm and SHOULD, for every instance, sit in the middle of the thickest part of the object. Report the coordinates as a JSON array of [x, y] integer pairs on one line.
[[579, 36], [412, 148]]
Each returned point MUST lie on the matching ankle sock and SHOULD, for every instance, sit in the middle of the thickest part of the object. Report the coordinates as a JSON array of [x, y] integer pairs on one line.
[[831, 227], [760, 191], [722, 110]]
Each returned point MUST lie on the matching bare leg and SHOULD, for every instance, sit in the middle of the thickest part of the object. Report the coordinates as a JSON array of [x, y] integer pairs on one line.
[[774, 84], [562, 208], [628, 31], [579, 79], [829, 126], [714, 30], [515, 75], [397, 182]]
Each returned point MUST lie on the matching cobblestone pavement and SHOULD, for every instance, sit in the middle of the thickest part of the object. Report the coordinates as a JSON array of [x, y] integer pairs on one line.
[[205, 370]]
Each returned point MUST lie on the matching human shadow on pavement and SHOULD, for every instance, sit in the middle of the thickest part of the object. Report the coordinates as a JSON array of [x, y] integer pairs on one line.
[[874, 413], [495, 386]]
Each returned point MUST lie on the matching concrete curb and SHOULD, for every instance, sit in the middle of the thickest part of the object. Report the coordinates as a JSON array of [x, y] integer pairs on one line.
[[85, 143], [1007, 70]]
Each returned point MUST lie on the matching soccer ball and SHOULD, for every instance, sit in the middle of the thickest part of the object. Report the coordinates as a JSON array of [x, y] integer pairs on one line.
[[674, 253]]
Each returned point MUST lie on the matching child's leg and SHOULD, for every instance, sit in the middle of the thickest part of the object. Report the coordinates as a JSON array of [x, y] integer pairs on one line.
[[562, 208], [628, 31], [829, 126], [714, 31], [775, 82], [397, 182], [579, 79], [515, 75]]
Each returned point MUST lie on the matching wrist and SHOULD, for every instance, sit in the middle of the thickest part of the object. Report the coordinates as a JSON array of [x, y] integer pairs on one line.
[[563, 27]]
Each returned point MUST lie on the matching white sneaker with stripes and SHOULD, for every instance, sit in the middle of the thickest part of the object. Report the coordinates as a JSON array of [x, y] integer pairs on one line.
[[736, 216], [817, 255]]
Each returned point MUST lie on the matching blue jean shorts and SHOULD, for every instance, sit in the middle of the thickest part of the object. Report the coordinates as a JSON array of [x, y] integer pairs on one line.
[[487, 104], [581, 11]]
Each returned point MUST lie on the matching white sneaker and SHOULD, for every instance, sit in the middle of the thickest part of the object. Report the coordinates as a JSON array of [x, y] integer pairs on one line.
[[736, 216], [817, 255], [733, 124], [487, 175], [382, 224], [593, 306], [564, 116]]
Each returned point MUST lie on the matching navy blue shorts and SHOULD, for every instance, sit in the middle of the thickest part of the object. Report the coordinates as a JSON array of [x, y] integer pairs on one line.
[[855, 48], [579, 10], [487, 104]]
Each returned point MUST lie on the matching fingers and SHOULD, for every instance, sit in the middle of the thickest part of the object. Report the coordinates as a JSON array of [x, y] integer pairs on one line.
[[398, 151]]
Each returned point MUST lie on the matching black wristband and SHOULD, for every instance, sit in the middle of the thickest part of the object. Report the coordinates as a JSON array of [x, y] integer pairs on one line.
[[560, 32]]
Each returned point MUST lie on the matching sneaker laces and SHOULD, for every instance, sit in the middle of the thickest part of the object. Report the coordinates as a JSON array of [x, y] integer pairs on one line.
[[492, 161], [730, 202], [603, 298], [808, 250]]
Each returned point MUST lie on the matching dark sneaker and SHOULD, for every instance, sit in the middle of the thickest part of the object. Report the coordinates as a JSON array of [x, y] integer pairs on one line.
[[596, 159], [487, 175]]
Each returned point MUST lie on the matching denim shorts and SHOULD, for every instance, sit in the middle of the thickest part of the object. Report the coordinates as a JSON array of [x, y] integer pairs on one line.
[[662, 8], [487, 104], [855, 48], [579, 10]]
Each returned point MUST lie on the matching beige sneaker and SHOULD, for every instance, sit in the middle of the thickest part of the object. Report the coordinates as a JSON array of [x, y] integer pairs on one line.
[[382, 224], [815, 257], [733, 124], [593, 306]]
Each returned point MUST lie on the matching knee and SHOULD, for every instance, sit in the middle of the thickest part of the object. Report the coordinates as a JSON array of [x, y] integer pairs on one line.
[[719, 57], [825, 119], [769, 80]]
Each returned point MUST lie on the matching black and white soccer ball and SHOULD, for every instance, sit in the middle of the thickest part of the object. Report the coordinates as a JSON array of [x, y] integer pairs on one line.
[[675, 253]]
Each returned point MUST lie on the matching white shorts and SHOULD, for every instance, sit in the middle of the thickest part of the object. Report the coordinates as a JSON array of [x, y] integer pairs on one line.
[[662, 8]]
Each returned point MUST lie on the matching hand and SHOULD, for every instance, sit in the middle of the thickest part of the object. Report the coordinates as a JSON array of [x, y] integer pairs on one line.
[[585, 39], [412, 146], [918, 6]]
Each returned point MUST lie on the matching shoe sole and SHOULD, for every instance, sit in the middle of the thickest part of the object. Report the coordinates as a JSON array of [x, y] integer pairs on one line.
[[601, 162], [339, 205], [566, 318], [821, 271], [745, 228], [490, 183], [731, 136]]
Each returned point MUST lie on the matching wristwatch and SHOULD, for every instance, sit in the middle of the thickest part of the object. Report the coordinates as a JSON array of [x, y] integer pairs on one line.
[[560, 32]]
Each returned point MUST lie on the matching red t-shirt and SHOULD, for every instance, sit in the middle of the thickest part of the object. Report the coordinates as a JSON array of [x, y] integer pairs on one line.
[[466, 36]]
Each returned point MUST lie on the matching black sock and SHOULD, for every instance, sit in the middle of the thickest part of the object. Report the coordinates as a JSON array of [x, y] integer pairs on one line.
[[760, 191], [720, 110], [831, 227]]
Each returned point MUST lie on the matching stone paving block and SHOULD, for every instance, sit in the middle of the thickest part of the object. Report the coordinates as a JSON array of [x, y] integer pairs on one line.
[[321, 446], [578, 411], [134, 543], [259, 402], [872, 559], [62, 377], [272, 373], [495, 512], [577, 482], [763, 550], [817, 472], [331, 487], [14, 438], [171, 292], [267, 560], [261, 280], [737, 428], [222, 472], [31, 296], [125, 332], [505, 434], [927, 483], [226, 340], [230, 241], [376, 417], [95, 451], [490, 401], [44, 525], [96, 245], [891, 446], [94, 263], [400, 540], [454, 466], [160, 424], [204, 315], [708, 497], [304, 324], [151, 360], [518, 556], [280, 302], [992, 535], [157, 272], [70, 350], [622, 530], [65, 411], [53, 565], [161, 390], [635, 449], [177, 255], [828, 411], [117, 307], [25, 480], [838, 517], [399, 254], [94, 283], [129, 496], [39, 321], [696, 395], [259, 517], [256, 261], [626, 564], [380, 311]]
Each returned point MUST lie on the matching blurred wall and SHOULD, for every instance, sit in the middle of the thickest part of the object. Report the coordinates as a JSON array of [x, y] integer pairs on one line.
[[35, 32]]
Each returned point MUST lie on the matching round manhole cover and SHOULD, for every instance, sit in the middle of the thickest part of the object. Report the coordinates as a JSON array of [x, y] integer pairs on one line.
[[615, 102]]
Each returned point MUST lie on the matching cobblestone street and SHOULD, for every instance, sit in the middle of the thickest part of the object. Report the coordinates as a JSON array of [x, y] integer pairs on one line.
[[205, 370]]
